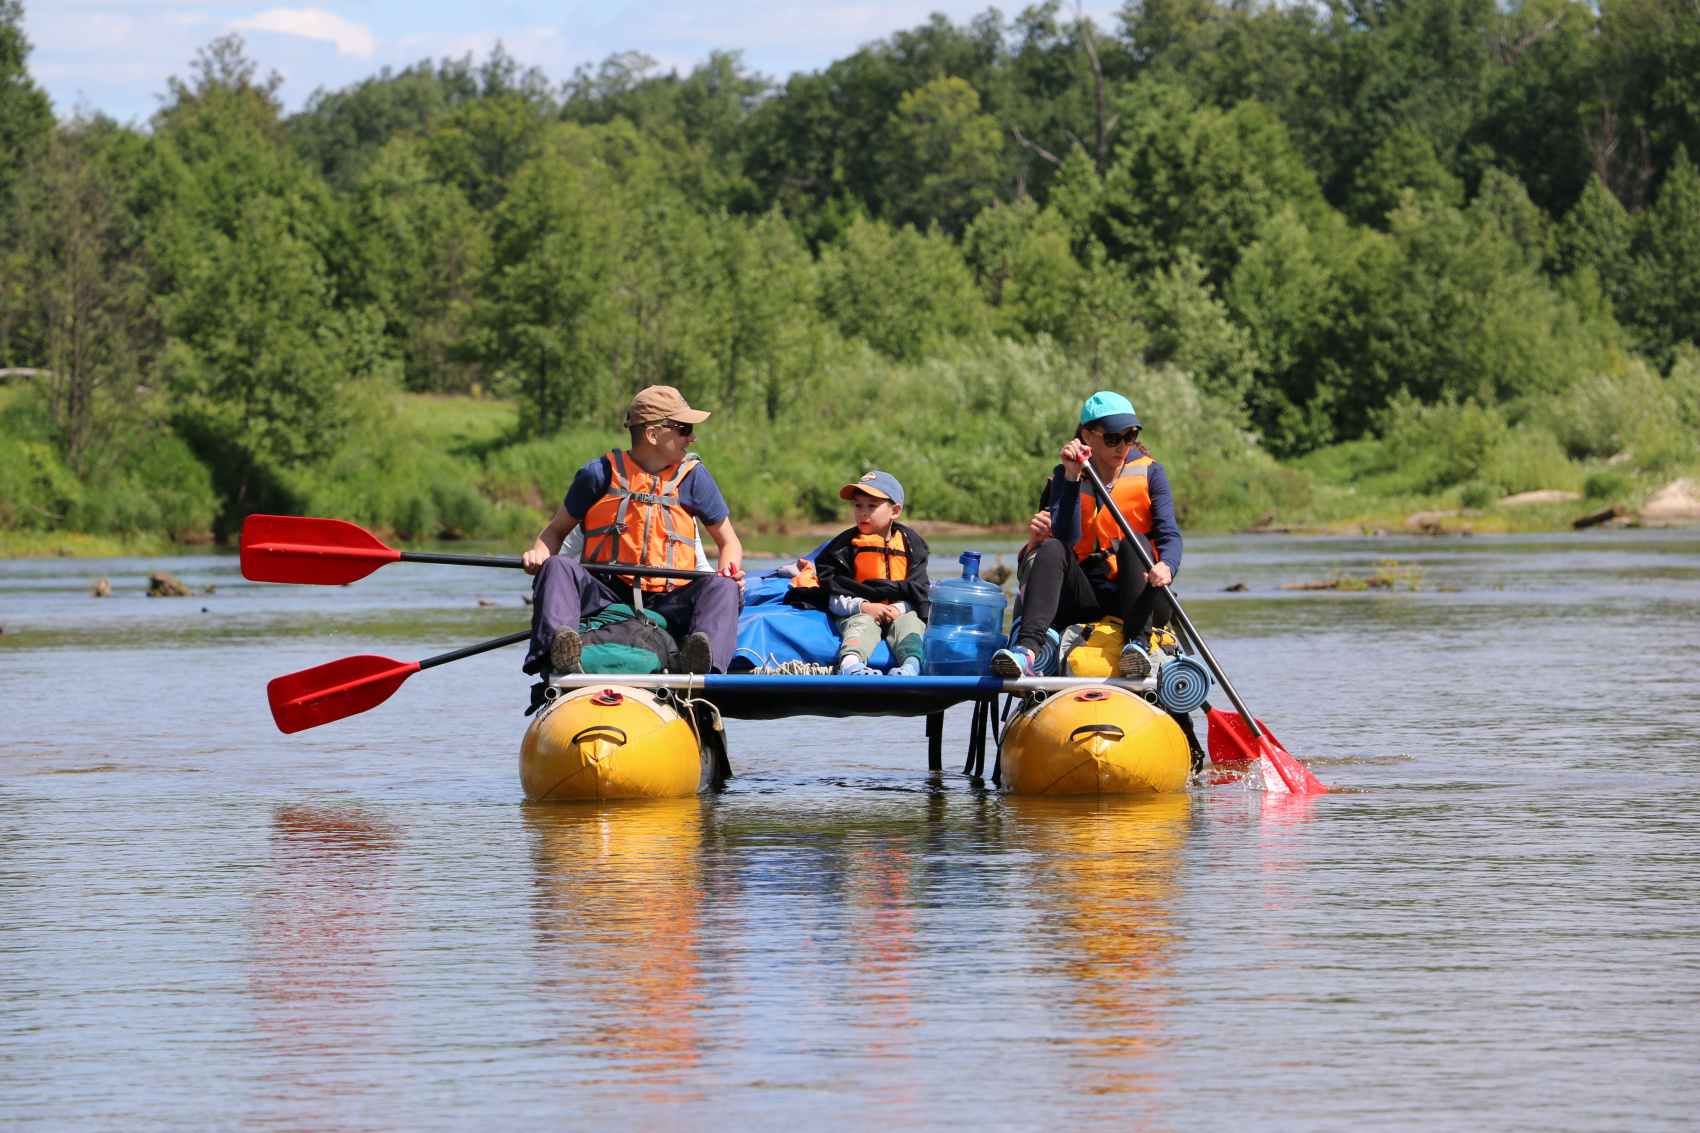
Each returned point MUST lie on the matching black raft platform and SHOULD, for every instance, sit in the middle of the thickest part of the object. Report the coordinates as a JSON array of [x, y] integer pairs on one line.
[[752, 697]]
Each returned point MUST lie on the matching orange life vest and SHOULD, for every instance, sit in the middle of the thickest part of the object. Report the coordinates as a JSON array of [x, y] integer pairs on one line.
[[806, 577], [640, 520], [878, 557], [1099, 531]]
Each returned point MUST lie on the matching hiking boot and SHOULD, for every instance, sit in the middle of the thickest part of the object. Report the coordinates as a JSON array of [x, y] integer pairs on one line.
[[1135, 662], [565, 651], [697, 655], [1013, 663]]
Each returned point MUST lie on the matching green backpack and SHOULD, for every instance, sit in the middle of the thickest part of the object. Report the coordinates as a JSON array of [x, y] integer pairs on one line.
[[618, 639]]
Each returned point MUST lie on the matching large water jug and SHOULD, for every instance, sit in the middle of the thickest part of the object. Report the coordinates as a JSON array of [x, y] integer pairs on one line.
[[966, 624]]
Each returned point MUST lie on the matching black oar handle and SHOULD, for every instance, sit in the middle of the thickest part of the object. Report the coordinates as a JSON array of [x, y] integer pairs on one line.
[[594, 568], [474, 650], [1106, 501]]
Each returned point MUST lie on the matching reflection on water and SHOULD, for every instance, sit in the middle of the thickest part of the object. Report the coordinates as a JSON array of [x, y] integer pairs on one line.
[[618, 913], [1105, 885], [204, 924], [323, 921]]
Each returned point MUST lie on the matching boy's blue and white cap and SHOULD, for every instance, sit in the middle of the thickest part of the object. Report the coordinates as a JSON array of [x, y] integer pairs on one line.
[[881, 484], [1109, 411]]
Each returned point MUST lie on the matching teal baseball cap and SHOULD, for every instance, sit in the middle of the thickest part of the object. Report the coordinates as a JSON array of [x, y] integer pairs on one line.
[[1109, 411]]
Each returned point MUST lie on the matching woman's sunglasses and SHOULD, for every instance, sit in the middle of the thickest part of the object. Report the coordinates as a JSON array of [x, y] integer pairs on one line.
[[1117, 440]]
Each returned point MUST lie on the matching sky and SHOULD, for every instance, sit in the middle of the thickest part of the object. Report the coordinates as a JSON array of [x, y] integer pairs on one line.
[[114, 56]]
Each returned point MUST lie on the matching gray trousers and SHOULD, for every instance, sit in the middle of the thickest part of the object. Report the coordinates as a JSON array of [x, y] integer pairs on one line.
[[564, 594], [859, 636]]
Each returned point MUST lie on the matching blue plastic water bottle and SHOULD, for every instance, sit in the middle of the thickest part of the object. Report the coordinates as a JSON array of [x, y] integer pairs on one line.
[[966, 624]]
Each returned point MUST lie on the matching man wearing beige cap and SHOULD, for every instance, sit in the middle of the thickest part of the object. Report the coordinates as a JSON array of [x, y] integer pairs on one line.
[[641, 507]]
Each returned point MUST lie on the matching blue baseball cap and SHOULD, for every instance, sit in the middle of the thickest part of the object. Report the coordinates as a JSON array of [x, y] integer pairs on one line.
[[1109, 411], [881, 484]]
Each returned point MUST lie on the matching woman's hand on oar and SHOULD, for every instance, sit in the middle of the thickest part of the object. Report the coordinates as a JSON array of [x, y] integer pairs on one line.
[[1247, 734], [353, 685], [334, 552]]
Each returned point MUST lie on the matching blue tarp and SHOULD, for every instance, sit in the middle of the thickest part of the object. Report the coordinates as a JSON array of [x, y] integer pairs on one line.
[[769, 628], [789, 634]]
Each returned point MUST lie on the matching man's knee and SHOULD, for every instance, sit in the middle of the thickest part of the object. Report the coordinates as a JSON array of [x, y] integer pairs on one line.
[[718, 590], [561, 568]]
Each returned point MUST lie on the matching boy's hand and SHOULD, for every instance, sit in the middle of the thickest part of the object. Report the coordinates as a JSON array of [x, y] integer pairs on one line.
[[883, 613], [1074, 454]]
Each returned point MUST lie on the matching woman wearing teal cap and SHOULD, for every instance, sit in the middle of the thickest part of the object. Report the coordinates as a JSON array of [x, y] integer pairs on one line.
[[1079, 572]]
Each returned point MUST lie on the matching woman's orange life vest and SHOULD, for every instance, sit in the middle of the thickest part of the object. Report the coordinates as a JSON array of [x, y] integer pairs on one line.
[[1099, 532], [640, 520], [879, 557]]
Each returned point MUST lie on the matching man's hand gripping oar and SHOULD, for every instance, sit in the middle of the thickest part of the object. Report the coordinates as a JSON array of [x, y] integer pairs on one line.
[[333, 552], [1245, 739]]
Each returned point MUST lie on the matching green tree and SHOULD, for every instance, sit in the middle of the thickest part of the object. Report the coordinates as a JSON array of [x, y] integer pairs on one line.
[[1404, 163], [423, 247], [26, 117], [899, 290], [546, 295], [1198, 178], [1596, 235], [82, 287], [1665, 288], [944, 155]]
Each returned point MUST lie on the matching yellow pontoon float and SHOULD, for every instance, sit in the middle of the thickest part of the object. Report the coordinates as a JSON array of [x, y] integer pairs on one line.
[[661, 735]]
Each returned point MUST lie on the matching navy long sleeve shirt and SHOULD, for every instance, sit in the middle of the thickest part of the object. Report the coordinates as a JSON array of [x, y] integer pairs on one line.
[[1064, 496]]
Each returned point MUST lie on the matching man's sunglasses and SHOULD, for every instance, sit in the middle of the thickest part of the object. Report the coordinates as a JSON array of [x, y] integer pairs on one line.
[[684, 430], [1117, 440]]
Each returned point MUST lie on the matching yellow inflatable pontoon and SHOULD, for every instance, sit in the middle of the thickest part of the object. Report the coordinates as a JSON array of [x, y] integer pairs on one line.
[[1096, 740], [616, 742]]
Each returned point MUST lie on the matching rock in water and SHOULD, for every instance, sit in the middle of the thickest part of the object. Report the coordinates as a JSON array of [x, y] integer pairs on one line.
[[162, 585], [102, 588]]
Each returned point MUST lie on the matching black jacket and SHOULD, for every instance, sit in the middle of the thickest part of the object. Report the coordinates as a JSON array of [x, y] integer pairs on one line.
[[836, 568]]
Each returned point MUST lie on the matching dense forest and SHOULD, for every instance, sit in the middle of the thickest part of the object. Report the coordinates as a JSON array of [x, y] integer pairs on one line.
[[1343, 256]]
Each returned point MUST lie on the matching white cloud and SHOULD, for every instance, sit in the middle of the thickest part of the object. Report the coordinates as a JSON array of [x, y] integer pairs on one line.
[[315, 23]]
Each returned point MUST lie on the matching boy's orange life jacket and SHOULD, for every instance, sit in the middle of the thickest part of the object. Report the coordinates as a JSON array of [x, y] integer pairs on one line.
[[641, 520], [1099, 532], [875, 557], [879, 557]]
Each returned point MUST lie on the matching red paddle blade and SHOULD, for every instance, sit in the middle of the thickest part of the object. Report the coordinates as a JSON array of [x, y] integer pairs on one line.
[[1232, 742], [332, 692], [317, 552]]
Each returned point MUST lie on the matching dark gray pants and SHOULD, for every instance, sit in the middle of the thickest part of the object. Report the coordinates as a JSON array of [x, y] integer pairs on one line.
[[564, 594]]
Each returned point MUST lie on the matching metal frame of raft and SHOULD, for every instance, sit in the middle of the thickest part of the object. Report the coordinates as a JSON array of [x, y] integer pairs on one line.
[[752, 697]]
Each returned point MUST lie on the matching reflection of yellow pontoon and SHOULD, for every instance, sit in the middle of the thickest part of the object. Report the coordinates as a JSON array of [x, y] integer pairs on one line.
[[659, 736], [618, 909]]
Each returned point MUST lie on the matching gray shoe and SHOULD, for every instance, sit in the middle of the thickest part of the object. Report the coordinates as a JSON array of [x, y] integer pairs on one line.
[[565, 651], [697, 655], [1135, 662]]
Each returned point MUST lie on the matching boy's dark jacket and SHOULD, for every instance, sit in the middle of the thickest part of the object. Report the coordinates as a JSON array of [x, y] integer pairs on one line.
[[836, 568]]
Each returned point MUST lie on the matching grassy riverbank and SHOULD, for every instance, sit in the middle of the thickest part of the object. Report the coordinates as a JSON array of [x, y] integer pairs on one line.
[[972, 434]]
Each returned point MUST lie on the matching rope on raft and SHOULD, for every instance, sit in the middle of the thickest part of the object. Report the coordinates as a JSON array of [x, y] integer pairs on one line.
[[771, 666]]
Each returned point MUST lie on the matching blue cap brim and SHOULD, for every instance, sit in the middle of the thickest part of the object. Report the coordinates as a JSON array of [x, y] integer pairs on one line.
[[1116, 423]]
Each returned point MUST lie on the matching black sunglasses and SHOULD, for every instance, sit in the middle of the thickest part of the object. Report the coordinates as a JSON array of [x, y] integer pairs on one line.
[[1117, 440], [684, 430]]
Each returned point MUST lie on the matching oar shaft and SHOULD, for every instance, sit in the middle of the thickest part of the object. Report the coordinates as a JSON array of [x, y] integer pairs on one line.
[[473, 650], [1106, 501], [633, 570]]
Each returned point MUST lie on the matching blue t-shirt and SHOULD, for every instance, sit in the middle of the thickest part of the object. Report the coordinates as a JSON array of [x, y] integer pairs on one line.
[[698, 492]]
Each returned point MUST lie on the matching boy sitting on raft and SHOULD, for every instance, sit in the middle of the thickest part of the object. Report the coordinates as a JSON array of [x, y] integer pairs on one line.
[[872, 579]]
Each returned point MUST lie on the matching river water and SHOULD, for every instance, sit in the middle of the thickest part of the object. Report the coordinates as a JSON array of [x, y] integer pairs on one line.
[[1493, 923]]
